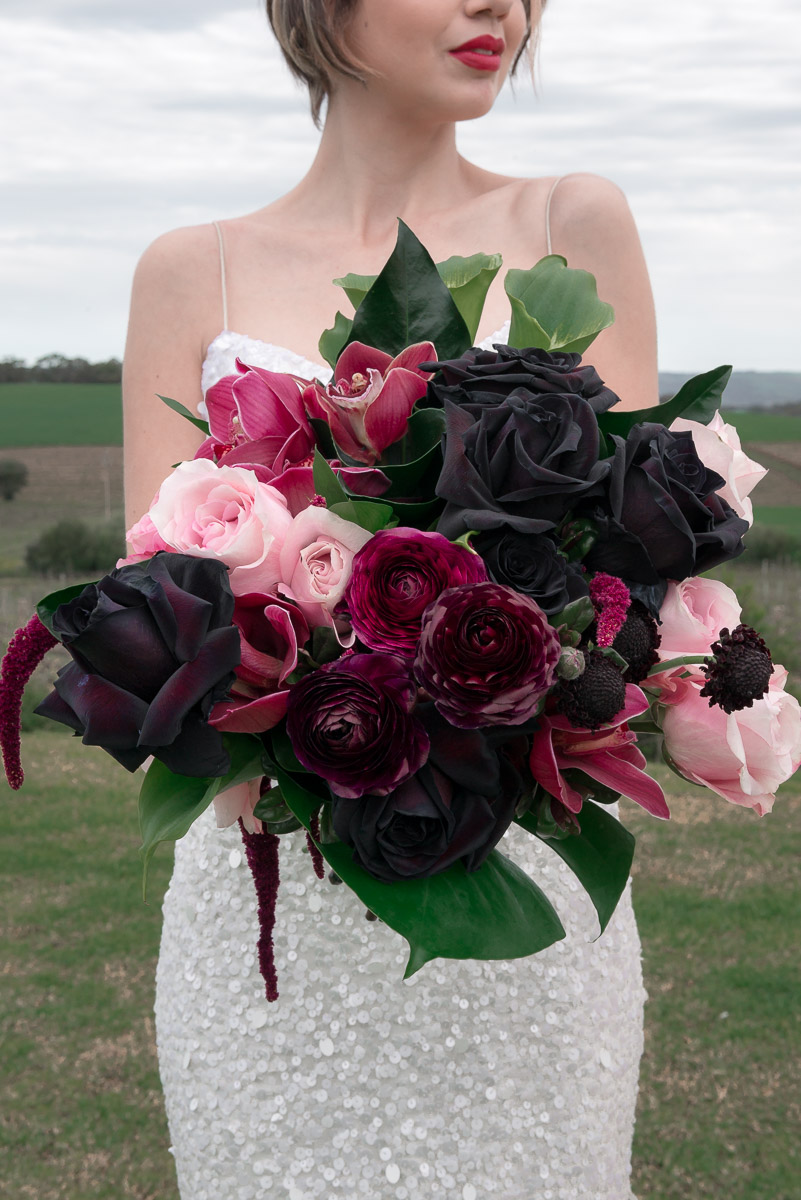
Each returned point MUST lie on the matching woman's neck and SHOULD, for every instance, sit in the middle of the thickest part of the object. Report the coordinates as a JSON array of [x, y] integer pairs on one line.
[[375, 164]]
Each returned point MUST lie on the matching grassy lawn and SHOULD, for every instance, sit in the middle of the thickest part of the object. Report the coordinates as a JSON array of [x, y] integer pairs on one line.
[[756, 425], [717, 896], [60, 414]]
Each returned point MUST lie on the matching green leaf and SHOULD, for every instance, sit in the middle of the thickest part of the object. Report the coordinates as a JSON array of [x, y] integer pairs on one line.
[[577, 616], [326, 483], [169, 803], [355, 286], [283, 751], [371, 515], [468, 281], [696, 400], [600, 856], [407, 461], [555, 307], [409, 303], [48, 605], [495, 912], [417, 515], [183, 411], [334, 340], [325, 645]]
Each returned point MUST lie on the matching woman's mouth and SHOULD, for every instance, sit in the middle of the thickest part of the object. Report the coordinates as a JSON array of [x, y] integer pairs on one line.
[[481, 53]]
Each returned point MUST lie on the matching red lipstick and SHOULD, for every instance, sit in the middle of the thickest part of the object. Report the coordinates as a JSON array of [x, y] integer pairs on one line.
[[481, 53]]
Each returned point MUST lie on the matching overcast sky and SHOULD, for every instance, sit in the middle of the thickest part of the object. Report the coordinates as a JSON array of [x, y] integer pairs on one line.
[[124, 118]]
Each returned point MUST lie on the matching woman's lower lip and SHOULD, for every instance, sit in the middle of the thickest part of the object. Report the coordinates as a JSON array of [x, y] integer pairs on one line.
[[479, 62]]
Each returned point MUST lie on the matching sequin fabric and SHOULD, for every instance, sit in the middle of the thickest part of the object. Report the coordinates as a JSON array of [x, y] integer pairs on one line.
[[514, 1079]]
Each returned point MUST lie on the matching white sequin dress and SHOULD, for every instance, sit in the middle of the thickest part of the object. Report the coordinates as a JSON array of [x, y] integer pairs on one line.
[[512, 1079]]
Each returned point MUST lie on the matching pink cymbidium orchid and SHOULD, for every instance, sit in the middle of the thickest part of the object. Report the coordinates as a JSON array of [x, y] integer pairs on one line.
[[257, 420], [608, 755], [370, 400]]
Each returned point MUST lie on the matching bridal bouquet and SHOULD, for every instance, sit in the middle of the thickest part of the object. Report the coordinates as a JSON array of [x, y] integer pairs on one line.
[[438, 594]]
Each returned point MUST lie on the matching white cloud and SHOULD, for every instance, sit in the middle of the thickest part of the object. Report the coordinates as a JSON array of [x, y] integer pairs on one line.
[[129, 119]]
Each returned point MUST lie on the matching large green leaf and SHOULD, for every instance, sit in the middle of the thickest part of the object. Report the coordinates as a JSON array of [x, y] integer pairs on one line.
[[696, 400], [371, 515], [555, 307], [169, 803], [600, 856], [467, 279], [334, 340], [326, 483], [48, 605], [495, 912], [409, 303]]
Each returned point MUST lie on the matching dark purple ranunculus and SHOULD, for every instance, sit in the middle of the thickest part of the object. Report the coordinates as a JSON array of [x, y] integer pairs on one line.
[[487, 655], [154, 649], [395, 577], [532, 565], [351, 722], [455, 808], [520, 461], [503, 369], [661, 516]]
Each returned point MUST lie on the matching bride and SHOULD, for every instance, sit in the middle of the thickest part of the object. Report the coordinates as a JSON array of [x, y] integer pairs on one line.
[[472, 1079]]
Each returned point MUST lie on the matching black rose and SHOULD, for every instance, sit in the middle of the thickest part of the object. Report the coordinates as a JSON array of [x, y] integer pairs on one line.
[[153, 649], [661, 517], [503, 369], [455, 808], [532, 565], [521, 462]]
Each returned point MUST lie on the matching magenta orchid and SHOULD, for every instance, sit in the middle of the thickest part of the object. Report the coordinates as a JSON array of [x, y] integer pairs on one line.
[[609, 755], [371, 398], [257, 420]]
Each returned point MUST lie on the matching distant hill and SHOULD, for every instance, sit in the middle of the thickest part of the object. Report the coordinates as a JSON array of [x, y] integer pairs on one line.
[[747, 389]]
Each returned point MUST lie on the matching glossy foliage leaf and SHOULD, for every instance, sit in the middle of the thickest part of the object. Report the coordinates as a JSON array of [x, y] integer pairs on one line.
[[371, 515], [183, 411], [169, 803], [555, 307], [495, 912], [326, 483], [409, 303], [334, 340], [600, 856], [48, 605], [697, 400]]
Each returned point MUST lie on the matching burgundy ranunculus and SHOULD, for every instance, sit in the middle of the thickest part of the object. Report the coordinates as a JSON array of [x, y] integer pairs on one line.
[[487, 655], [351, 722], [395, 577], [455, 808], [153, 649]]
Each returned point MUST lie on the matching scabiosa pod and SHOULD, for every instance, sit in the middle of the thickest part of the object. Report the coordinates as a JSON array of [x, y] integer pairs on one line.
[[25, 651], [740, 671]]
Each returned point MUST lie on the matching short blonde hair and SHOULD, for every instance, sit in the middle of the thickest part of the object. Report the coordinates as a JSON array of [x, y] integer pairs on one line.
[[309, 33]]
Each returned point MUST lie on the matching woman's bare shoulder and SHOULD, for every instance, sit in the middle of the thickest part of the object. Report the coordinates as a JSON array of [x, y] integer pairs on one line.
[[180, 260]]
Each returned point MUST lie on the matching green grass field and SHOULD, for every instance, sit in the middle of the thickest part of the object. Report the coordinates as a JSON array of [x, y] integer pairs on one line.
[[758, 426], [60, 414], [717, 896]]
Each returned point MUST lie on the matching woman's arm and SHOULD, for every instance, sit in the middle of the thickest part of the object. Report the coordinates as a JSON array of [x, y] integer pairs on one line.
[[592, 227], [174, 303]]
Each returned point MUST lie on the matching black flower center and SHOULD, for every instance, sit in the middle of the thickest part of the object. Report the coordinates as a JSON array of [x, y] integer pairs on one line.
[[740, 671], [596, 697], [637, 641]]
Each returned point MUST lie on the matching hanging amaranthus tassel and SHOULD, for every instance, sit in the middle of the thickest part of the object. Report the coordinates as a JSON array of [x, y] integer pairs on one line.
[[262, 855], [25, 651], [314, 850]]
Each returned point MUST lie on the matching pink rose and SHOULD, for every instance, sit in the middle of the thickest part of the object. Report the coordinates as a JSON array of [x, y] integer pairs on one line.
[[743, 756], [224, 513], [718, 447], [144, 540], [693, 614], [316, 560]]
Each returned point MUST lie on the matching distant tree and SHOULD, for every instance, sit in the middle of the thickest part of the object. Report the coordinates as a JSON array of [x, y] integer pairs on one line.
[[71, 545], [13, 370], [13, 476]]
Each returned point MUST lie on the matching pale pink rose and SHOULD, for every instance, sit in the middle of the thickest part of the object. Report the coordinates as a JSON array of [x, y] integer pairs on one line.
[[718, 447], [144, 540], [227, 514], [693, 614], [743, 756], [236, 802], [316, 562]]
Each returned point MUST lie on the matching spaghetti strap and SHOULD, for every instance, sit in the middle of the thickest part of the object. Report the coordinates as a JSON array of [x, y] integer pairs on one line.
[[548, 246], [223, 286]]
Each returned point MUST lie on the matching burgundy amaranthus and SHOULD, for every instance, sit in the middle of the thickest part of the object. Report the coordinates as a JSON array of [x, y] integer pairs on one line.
[[611, 599], [314, 850], [261, 850], [25, 651]]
